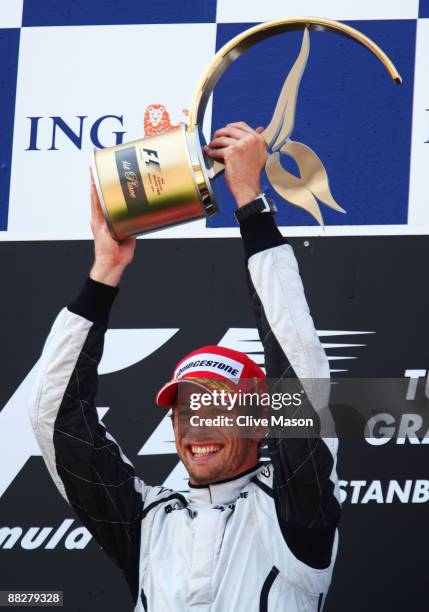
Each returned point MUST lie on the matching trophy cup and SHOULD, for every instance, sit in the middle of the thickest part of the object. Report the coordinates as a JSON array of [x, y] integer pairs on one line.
[[165, 179]]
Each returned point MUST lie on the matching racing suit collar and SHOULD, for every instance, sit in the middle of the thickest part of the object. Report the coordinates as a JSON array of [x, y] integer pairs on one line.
[[224, 491]]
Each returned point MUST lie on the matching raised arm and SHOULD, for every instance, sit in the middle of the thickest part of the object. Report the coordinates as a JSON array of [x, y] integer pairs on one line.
[[305, 486], [85, 462], [304, 483]]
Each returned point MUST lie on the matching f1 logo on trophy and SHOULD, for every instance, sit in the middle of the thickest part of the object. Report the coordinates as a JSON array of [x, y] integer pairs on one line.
[[165, 179]]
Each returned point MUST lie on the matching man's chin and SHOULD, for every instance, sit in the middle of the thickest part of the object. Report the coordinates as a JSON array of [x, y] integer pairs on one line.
[[204, 474], [209, 468], [205, 467]]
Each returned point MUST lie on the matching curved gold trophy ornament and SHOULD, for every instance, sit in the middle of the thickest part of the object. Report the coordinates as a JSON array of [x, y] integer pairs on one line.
[[164, 180]]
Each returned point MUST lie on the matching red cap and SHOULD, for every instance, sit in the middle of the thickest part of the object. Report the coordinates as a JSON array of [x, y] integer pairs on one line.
[[205, 366]]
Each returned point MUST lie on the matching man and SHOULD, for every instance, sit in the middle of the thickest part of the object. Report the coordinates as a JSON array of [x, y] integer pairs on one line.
[[248, 536]]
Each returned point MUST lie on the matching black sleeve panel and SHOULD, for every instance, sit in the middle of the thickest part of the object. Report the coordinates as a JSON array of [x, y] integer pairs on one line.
[[95, 301], [260, 232]]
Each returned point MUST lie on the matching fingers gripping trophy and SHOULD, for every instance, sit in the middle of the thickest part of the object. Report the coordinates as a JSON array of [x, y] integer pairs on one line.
[[166, 179]]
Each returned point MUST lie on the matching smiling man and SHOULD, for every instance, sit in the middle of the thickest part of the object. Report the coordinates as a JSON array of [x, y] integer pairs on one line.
[[209, 443], [249, 535]]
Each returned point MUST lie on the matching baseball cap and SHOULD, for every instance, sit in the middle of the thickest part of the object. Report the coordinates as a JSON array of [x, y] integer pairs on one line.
[[210, 367]]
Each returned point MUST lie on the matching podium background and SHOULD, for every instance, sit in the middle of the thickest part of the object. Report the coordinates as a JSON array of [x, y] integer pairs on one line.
[[76, 75]]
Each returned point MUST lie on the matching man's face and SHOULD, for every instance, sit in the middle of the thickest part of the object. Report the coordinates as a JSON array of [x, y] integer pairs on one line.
[[208, 454]]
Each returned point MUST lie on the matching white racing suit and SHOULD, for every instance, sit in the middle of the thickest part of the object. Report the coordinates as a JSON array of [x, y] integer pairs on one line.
[[263, 541]]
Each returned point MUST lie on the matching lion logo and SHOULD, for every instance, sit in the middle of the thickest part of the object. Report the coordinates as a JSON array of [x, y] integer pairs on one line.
[[157, 120]]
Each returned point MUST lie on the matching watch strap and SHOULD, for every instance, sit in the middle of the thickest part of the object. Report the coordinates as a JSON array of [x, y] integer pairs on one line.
[[261, 205]]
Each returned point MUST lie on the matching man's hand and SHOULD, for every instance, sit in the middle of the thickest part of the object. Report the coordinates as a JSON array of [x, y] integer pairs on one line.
[[111, 257], [244, 152]]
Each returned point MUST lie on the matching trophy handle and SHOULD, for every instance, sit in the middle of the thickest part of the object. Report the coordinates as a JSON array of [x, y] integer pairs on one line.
[[239, 44]]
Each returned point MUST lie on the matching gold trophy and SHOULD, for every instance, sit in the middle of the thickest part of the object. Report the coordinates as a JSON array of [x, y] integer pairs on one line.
[[165, 179]]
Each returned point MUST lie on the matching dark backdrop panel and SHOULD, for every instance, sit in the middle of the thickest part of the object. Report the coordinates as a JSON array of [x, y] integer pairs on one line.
[[368, 284]]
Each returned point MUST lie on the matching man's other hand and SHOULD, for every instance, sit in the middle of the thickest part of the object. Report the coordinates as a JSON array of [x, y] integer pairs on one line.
[[244, 152], [111, 257]]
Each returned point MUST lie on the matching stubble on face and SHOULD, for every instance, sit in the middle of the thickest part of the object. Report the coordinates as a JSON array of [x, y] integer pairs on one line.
[[209, 454], [232, 458]]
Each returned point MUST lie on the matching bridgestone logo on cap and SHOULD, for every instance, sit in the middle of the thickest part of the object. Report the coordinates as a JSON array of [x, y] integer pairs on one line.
[[210, 363]]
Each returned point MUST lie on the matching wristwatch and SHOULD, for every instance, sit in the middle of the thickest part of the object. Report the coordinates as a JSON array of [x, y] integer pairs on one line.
[[263, 204]]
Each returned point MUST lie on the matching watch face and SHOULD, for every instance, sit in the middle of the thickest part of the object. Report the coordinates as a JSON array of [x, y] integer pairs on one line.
[[272, 204], [268, 204]]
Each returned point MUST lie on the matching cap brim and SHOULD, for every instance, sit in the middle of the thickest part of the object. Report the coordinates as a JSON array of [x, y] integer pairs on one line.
[[166, 395]]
